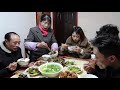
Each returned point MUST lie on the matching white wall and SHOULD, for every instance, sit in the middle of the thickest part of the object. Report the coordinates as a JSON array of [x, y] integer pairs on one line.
[[19, 22], [92, 21]]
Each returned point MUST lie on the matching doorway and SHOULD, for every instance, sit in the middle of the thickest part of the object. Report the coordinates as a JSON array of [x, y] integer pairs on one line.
[[63, 23]]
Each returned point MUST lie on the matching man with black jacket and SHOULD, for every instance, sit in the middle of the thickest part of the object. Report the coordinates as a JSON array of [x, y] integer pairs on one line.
[[9, 54], [107, 51]]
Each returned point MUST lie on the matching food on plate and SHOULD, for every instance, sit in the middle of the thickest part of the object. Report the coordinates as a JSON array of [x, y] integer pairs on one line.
[[40, 62], [40, 58], [75, 69], [51, 68], [52, 52], [22, 75], [58, 60], [68, 74], [69, 63], [33, 71]]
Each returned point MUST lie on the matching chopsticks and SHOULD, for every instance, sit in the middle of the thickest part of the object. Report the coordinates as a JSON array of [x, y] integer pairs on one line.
[[49, 49]]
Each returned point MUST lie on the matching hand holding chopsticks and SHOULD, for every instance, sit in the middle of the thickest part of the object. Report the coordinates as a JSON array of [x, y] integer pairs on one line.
[[43, 45]]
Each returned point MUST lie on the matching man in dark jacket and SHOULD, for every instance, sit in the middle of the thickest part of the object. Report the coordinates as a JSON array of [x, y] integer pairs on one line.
[[9, 54], [106, 47], [107, 52]]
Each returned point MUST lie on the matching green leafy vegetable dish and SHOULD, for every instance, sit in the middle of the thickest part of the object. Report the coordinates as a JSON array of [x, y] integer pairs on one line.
[[68, 63], [75, 69], [50, 68], [33, 71]]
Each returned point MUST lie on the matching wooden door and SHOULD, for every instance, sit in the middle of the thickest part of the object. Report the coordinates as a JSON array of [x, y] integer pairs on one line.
[[62, 25]]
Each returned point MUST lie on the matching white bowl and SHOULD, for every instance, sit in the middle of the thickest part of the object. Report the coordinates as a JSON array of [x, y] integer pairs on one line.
[[71, 48], [46, 56], [52, 74], [23, 62], [54, 55]]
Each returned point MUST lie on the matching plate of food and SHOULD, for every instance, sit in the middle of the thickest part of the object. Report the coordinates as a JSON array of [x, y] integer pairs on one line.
[[75, 69], [69, 63], [23, 75], [32, 71], [57, 60], [68, 74], [40, 62], [53, 54]]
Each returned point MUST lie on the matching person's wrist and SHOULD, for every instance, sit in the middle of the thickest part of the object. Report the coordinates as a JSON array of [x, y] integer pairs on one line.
[[81, 52], [37, 45], [8, 68]]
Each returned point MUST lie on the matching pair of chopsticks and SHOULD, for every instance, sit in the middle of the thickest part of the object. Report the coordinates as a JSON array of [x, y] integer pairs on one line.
[[49, 49]]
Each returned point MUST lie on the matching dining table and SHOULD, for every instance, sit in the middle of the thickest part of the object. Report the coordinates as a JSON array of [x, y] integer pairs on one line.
[[78, 61]]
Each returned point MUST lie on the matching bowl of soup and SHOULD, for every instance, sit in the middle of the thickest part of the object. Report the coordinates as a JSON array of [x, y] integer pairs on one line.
[[51, 69]]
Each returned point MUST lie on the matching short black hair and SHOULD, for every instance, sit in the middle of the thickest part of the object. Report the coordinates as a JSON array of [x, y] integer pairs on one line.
[[107, 45], [79, 30], [109, 29], [45, 17], [8, 35]]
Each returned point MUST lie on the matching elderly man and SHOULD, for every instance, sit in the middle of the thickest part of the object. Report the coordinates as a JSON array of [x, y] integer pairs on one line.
[[9, 54]]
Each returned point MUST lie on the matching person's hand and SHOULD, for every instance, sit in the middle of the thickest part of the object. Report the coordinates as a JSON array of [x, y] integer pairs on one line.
[[31, 64], [77, 49], [64, 46], [42, 45], [90, 66], [12, 66]]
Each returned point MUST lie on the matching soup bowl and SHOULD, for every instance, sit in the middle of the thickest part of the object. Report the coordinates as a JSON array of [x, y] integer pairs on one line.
[[51, 69]]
